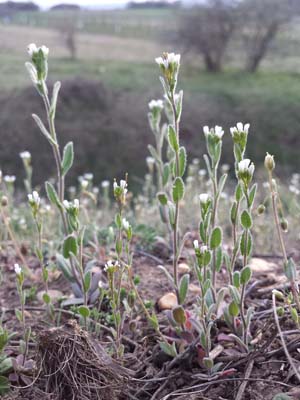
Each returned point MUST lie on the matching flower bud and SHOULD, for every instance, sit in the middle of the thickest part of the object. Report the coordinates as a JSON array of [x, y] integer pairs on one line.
[[269, 162], [284, 225], [261, 209], [4, 201]]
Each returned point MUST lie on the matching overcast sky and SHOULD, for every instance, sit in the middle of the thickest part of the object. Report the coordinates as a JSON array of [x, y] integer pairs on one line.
[[105, 3]]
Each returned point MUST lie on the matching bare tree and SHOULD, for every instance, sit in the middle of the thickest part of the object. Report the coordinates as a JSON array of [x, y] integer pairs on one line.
[[67, 27], [262, 20], [207, 29]]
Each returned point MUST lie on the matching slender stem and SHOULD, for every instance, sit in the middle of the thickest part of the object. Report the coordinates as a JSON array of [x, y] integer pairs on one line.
[[281, 241], [175, 229], [14, 240]]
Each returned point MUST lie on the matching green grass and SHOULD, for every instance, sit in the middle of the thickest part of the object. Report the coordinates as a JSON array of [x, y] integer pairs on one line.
[[146, 23]]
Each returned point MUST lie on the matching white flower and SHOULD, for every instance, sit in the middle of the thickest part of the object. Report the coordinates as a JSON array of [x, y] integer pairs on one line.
[[203, 249], [45, 50], [32, 49], [156, 104], [150, 160], [105, 184], [115, 185], [34, 198], [76, 203], [204, 198], [18, 269], [88, 176], [245, 165], [66, 203], [168, 59], [225, 168], [9, 178], [25, 155], [84, 183], [219, 131], [123, 184], [240, 128], [196, 244], [100, 285], [202, 172], [206, 130], [125, 224], [110, 264]]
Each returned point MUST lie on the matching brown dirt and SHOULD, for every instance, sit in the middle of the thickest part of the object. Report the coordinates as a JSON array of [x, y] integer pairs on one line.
[[271, 372]]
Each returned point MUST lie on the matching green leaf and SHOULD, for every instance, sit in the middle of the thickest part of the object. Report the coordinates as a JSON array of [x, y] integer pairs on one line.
[[246, 220], [178, 190], [233, 212], [172, 136], [233, 309], [46, 298], [162, 198], [4, 385], [171, 211], [5, 365], [153, 153], [238, 193], [245, 275], [183, 287], [87, 281], [179, 315], [43, 129], [282, 396], [169, 349], [84, 311], [290, 269], [55, 92], [68, 158], [52, 194], [179, 105], [154, 321], [70, 246], [219, 259], [222, 183], [236, 279], [182, 161], [118, 220], [246, 246], [64, 266], [252, 194], [216, 238], [234, 294], [166, 174]]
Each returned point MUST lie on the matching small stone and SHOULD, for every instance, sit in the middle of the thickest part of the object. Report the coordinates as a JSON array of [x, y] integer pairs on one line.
[[167, 302], [183, 268], [262, 266], [54, 295], [194, 289]]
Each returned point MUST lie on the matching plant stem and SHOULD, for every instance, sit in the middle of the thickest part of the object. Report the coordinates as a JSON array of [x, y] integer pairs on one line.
[[175, 229], [281, 241]]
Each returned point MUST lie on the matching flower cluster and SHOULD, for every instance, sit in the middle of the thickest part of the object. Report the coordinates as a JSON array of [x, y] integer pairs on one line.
[[215, 133], [169, 64], [120, 191], [38, 70], [245, 171]]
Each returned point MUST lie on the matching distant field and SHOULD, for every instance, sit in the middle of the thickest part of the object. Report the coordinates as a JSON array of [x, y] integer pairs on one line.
[[125, 23]]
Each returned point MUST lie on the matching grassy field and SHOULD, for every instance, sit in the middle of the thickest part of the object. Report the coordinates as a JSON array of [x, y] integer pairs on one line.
[[125, 23], [269, 99]]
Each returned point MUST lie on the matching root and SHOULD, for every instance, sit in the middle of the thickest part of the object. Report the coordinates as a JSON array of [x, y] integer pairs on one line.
[[74, 367]]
